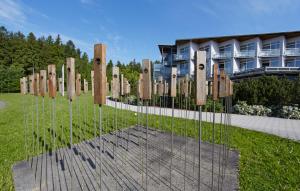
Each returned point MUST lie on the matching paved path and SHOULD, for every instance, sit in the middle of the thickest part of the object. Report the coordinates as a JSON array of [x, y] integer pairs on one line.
[[2, 104], [286, 128]]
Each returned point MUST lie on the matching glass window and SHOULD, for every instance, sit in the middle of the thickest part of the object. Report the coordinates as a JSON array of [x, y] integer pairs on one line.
[[292, 62], [226, 48], [246, 64], [247, 46], [271, 45], [273, 62], [293, 44]]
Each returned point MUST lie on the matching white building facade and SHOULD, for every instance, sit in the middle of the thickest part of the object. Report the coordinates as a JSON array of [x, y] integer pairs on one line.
[[238, 55]]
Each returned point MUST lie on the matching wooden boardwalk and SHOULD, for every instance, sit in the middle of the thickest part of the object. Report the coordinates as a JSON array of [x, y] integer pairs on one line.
[[123, 163]]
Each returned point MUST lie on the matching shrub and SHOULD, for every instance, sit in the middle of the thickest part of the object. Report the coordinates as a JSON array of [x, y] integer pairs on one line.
[[242, 108]]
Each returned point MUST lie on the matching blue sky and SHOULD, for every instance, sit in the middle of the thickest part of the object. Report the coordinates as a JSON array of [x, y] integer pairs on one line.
[[132, 29]]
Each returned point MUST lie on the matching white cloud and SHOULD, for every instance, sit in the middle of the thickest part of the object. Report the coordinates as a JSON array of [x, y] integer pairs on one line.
[[12, 12], [267, 6]]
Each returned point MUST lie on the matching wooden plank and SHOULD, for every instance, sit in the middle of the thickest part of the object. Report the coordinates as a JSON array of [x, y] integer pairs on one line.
[[60, 85], [36, 84], [166, 88], [140, 86], [31, 79], [115, 82], [92, 82], [122, 85], [160, 86], [215, 82], [78, 84], [22, 85], [43, 82], [85, 86], [100, 74], [222, 88], [154, 87], [186, 86], [200, 77], [71, 78], [147, 87], [231, 88], [173, 81], [52, 80]]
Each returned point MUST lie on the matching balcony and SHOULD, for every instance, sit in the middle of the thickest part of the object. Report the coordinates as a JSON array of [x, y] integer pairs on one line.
[[222, 55], [245, 54], [180, 57], [270, 53], [292, 52]]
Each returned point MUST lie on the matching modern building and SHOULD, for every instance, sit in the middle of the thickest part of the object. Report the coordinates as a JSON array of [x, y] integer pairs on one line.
[[241, 56]]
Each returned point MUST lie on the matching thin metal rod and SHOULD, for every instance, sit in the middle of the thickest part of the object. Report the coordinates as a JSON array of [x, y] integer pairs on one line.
[[213, 147], [172, 132], [100, 138], [147, 145], [185, 140], [199, 151], [71, 142]]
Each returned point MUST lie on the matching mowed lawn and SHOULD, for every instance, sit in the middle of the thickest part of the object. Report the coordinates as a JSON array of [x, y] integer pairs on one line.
[[267, 162]]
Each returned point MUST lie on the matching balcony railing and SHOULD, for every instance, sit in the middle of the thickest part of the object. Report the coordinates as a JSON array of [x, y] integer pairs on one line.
[[222, 55], [292, 52], [245, 54], [180, 57], [270, 53]]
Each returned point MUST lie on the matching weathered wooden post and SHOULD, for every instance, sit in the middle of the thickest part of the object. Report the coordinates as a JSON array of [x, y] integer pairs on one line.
[[147, 87], [100, 88], [60, 86], [92, 81], [71, 97], [86, 86], [78, 84], [200, 97], [31, 79]]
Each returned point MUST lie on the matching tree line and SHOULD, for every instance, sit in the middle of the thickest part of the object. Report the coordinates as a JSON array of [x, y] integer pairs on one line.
[[20, 54]]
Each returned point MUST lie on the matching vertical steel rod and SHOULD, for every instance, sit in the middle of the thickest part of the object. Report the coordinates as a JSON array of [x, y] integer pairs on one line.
[[199, 151]]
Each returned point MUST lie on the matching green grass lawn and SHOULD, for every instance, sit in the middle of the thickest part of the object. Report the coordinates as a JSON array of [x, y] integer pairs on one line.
[[266, 162]]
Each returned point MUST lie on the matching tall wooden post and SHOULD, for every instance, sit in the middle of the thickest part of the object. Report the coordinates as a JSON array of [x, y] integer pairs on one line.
[[22, 85], [85, 86], [222, 88], [122, 85], [160, 86], [115, 83], [60, 86], [36, 84], [200, 77], [92, 80], [78, 84], [71, 78], [186, 86], [215, 82], [154, 87], [52, 80], [43, 82], [100, 74], [146, 79], [31, 79], [173, 81]]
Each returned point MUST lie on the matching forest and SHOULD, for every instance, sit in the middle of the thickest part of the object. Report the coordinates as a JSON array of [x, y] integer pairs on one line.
[[20, 54]]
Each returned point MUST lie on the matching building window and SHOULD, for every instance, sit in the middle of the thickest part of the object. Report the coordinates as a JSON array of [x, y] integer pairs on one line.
[[247, 46], [293, 44], [272, 62], [184, 50], [292, 62], [246, 64], [271, 45], [226, 65], [226, 48]]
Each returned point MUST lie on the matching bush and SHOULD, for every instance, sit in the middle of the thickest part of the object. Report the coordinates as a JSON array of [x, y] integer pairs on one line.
[[242, 108], [290, 112]]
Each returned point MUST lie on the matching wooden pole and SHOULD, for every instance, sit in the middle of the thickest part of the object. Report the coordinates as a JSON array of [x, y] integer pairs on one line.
[[43, 81], [52, 80], [92, 80], [78, 84]]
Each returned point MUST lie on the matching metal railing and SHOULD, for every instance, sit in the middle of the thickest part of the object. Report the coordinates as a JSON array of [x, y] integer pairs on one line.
[[269, 53], [245, 54], [292, 52], [268, 69], [222, 55], [180, 57]]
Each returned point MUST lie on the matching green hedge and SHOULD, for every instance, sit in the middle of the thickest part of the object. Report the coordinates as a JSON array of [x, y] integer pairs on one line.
[[268, 91]]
